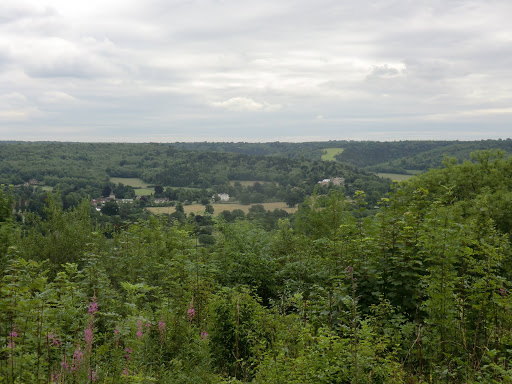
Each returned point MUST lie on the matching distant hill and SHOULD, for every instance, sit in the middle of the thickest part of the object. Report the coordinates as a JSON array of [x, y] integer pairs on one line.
[[394, 156], [434, 157]]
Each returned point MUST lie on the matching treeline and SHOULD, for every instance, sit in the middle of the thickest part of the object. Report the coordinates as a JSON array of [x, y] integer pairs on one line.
[[418, 293], [307, 150]]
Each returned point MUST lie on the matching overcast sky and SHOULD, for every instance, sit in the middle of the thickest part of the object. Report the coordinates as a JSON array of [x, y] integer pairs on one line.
[[236, 70]]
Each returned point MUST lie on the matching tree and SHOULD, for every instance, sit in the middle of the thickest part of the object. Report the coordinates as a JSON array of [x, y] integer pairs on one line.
[[209, 209], [6, 229], [110, 208], [159, 190], [294, 196], [107, 190]]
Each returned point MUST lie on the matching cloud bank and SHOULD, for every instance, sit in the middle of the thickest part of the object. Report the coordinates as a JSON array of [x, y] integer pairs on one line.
[[255, 71]]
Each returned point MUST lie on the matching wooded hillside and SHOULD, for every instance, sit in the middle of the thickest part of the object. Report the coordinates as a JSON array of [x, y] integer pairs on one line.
[[418, 293]]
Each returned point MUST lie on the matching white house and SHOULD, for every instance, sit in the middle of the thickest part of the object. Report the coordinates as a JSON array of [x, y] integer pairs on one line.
[[222, 196], [333, 180]]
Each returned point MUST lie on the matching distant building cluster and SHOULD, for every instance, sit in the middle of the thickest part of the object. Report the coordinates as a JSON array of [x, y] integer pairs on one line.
[[100, 202], [222, 196], [333, 180], [159, 200], [25, 184]]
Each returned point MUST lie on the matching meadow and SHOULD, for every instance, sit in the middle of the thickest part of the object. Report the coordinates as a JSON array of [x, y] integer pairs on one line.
[[143, 191], [140, 186], [329, 153], [395, 176], [130, 181]]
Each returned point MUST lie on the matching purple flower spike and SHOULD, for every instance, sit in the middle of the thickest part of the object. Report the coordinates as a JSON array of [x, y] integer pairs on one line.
[[93, 308]]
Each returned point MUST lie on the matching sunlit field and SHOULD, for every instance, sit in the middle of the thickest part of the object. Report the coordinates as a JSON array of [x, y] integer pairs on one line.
[[219, 207]]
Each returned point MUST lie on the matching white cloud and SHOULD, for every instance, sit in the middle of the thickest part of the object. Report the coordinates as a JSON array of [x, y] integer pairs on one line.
[[15, 106], [470, 114], [54, 97], [244, 104]]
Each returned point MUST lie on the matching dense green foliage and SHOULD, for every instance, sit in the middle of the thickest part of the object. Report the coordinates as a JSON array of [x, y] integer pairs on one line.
[[418, 293], [82, 170], [396, 156], [433, 156]]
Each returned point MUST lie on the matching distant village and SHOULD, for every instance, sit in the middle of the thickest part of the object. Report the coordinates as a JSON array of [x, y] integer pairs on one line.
[[333, 181], [101, 201], [98, 203], [218, 197]]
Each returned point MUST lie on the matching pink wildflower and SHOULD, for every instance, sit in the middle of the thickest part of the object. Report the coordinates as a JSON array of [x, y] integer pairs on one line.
[[78, 357], [64, 365], [503, 292], [204, 335], [12, 338], [161, 330], [191, 313], [53, 339], [116, 337], [125, 372], [128, 353], [139, 329], [148, 325], [88, 336], [93, 376], [55, 377], [93, 307]]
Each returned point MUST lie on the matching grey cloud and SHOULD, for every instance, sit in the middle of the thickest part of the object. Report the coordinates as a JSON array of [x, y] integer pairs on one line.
[[383, 71], [13, 11], [198, 67]]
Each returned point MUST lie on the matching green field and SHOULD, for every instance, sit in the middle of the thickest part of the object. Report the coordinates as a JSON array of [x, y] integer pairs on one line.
[[144, 191], [395, 176], [219, 207], [131, 181], [329, 153]]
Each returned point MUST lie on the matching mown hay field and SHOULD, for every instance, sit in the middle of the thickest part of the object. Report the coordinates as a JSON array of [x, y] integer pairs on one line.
[[219, 207]]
